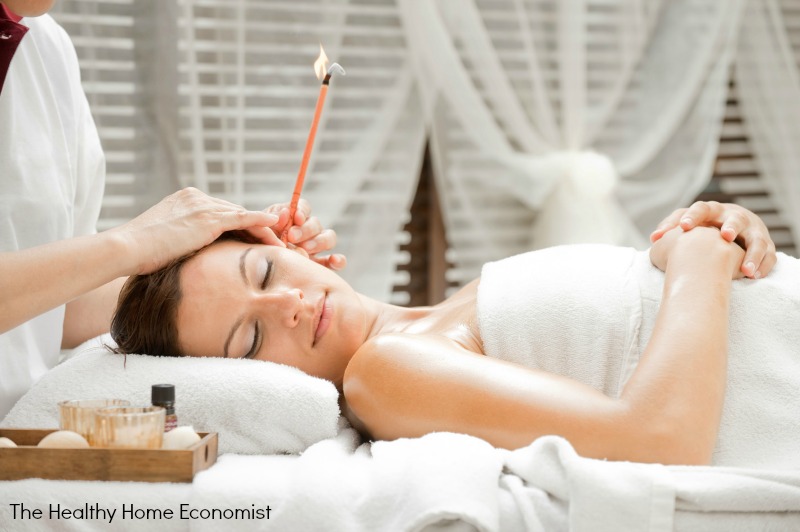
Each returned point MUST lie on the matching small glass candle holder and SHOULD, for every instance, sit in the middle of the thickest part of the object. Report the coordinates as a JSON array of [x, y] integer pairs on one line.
[[78, 415], [129, 427]]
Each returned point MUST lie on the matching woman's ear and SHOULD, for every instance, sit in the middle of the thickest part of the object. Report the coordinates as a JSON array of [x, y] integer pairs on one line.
[[298, 249]]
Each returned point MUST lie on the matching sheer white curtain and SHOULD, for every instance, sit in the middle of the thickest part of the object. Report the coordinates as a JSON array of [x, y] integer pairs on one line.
[[768, 84], [568, 121]]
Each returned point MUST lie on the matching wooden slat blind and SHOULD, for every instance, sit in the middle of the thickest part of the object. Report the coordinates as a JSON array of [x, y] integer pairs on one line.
[[736, 178], [106, 42]]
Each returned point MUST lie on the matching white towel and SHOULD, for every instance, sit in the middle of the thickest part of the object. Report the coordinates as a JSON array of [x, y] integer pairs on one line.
[[628, 497], [570, 310], [256, 407], [587, 312], [86, 497], [401, 485], [601, 496]]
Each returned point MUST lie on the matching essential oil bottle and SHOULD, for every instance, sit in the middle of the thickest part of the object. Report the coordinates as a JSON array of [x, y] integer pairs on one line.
[[164, 395]]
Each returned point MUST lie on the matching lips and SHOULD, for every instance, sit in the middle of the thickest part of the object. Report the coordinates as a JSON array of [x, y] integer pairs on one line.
[[324, 320]]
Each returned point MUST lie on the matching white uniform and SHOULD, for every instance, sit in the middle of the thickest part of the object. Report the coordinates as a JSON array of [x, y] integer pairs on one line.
[[52, 172]]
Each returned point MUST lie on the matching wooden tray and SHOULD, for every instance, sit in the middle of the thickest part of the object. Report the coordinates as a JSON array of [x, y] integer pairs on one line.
[[142, 465]]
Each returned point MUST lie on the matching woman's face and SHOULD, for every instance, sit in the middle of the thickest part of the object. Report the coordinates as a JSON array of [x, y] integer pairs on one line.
[[269, 303]]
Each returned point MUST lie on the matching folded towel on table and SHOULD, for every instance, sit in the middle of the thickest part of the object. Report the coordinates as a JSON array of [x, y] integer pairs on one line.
[[256, 407], [600, 495], [401, 485], [625, 496]]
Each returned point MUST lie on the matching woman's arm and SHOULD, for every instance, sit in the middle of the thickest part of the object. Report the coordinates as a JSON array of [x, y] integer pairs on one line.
[[406, 386]]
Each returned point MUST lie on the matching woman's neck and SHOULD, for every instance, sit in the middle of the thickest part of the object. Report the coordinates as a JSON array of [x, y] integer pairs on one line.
[[454, 313], [384, 318]]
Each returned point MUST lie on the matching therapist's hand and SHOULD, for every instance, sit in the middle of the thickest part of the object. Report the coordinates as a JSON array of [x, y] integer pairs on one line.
[[307, 234], [187, 221], [735, 223]]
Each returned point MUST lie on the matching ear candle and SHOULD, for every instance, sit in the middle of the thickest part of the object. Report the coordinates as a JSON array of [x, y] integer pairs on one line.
[[335, 68]]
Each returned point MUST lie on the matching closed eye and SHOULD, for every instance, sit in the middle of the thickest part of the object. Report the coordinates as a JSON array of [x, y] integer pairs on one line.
[[258, 333], [254, 348], [267, 275]]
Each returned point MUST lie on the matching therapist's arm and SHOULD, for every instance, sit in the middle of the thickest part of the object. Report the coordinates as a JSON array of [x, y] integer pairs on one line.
[[38, 279], [90, 315]]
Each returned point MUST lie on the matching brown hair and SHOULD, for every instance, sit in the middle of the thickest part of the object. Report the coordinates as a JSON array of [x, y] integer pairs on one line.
[[145, 320], [147, 312]]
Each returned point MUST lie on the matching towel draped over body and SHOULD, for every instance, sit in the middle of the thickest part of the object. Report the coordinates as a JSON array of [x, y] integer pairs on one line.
[[587, 312]]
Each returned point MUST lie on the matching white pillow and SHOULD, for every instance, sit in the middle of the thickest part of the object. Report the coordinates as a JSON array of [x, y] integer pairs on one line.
[[256, 407]]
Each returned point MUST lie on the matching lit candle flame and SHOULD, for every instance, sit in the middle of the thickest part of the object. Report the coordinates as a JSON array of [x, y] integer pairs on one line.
[[323, 73], [321, 64]]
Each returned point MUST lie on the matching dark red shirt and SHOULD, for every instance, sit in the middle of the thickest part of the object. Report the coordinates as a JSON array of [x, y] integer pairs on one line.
[[11, 33]]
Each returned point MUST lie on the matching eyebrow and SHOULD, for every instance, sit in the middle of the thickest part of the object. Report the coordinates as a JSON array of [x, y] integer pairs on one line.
[[236, 325]]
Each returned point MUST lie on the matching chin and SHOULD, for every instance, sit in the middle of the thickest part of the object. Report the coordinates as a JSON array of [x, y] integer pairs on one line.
[[29, 8]]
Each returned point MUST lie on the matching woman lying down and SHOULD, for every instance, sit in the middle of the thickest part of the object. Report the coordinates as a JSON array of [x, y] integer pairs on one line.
[[589, 342]]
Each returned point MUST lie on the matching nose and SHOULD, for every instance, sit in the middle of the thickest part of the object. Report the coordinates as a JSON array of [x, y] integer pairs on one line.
[[283, 305]]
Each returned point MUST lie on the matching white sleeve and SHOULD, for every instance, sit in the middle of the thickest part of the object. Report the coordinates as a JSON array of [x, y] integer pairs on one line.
[[91, 174], [90, 164]]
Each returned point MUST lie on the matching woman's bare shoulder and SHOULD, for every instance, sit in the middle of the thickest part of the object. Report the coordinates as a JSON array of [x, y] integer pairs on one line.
[[381, 377], [396, 355]]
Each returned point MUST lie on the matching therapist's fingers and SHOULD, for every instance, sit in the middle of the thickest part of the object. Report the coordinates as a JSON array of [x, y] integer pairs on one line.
[[265, 235], [324, 241], [335, 262], [183, 222], [306, 234], [261, 233], [256, 223], [303, 212], [283, 210]]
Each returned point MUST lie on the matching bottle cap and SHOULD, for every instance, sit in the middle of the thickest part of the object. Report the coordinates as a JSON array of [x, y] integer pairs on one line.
[[163, 393]]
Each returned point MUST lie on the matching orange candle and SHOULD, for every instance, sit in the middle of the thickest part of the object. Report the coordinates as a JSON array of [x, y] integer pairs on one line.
[[319, 67]]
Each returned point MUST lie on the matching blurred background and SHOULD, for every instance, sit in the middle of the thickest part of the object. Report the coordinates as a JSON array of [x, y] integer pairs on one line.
[[464, 131]]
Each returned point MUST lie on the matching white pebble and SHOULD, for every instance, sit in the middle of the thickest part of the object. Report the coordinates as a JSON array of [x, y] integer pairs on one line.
[[64, 439], [180, 438], [5, 442]]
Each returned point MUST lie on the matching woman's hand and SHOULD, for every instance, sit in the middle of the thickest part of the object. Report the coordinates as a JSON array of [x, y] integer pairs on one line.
[[735, 223], [307, 234], [701, 241]]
